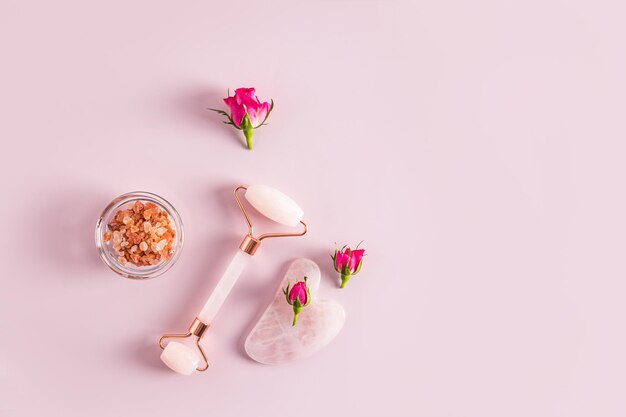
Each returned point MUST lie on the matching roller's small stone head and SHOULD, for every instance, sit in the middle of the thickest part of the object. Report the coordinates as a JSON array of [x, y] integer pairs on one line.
[[180, 358], [274, 205]]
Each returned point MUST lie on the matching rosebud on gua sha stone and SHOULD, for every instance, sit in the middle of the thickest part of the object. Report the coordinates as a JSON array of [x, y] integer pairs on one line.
[[298, 297], [275, 340]]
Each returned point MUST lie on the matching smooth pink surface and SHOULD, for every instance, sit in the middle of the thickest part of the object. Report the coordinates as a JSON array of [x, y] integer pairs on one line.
[[481, 143]]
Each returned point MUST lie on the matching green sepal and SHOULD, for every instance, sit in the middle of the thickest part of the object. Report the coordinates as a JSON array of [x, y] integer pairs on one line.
[[358, 268], [267, 115], [223, 113], [334, 258], [308, 293], [248, 131], [297, 307], [286, 291], [245, 121], [344, 280]]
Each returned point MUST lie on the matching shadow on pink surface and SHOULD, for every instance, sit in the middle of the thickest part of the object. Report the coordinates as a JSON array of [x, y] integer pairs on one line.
[[216, 252], [323, 260], [195, 104], [74, 214]]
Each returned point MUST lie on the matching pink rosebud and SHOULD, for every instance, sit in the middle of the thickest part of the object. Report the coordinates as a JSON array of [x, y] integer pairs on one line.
[[298, 291], [246, 112], [298, 297], [341, 259], [356, 256], [347, 262]]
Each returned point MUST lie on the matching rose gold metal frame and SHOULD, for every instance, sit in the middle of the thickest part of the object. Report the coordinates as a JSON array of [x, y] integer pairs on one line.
[[197, 329], [250, 244]]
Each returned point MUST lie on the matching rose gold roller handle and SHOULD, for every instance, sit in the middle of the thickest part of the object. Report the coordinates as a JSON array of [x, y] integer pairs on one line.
[[179, 357]]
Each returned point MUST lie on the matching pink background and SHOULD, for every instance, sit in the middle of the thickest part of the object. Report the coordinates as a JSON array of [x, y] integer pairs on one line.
[[477, 147]]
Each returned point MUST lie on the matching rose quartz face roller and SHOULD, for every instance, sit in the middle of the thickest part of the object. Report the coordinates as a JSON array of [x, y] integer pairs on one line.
[[272, 204]]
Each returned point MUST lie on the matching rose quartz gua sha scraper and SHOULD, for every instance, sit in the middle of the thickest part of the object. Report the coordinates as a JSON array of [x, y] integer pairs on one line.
[[272, 204], [275, 340]]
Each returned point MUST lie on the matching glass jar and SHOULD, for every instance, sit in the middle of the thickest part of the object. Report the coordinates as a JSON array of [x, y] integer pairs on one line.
[[105, 246]]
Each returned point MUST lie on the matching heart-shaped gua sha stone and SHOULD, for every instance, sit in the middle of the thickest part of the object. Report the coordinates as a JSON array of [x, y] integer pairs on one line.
[[274, 340]]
